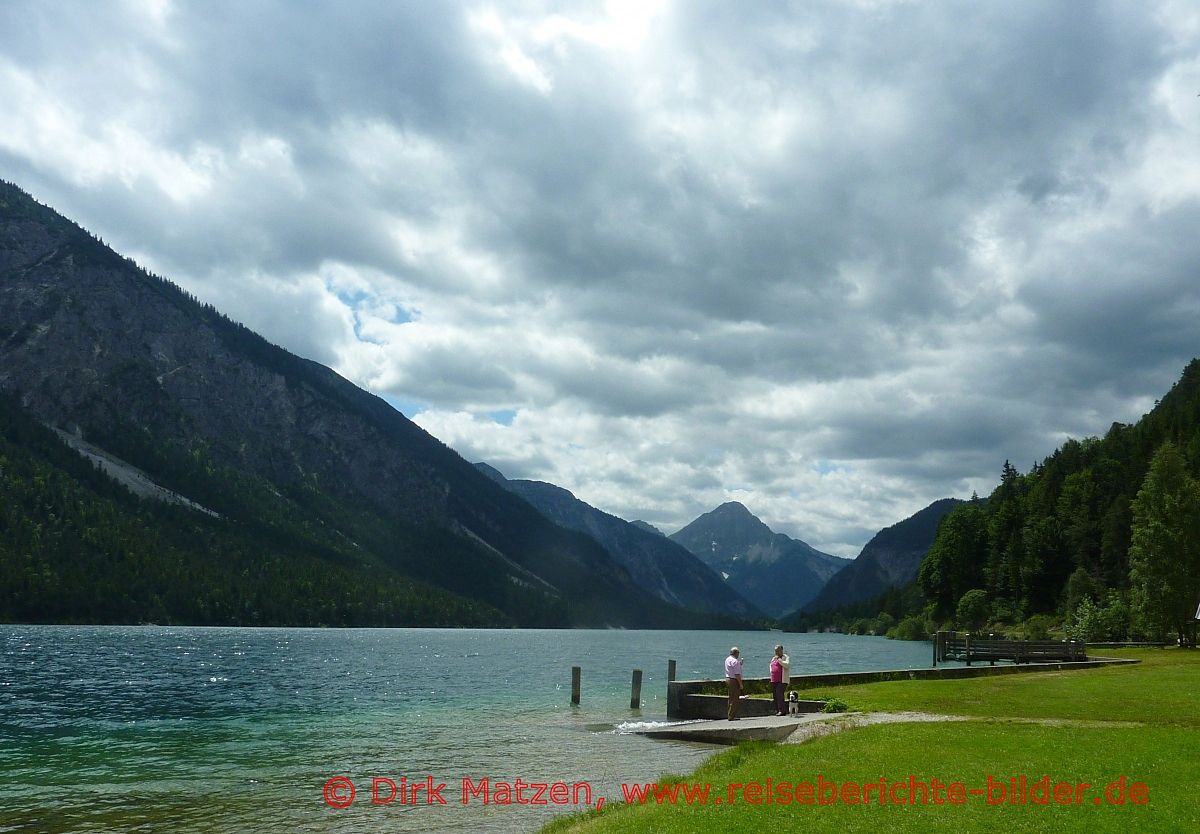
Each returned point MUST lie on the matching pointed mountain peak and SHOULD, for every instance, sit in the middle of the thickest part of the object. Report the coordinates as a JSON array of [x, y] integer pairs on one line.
[[729, 526], [734, 515], [774, 571], [733, 508]]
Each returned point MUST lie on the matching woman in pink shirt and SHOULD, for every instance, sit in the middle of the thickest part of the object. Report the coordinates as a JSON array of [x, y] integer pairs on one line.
[[780, 677]]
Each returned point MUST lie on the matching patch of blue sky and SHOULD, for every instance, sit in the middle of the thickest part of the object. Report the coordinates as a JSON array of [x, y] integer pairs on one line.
[[825, 467], [358, 299], [352, 298], [503, 416], [401, 315]]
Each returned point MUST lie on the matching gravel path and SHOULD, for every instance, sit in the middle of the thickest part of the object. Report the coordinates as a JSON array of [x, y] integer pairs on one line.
[[844, 721]]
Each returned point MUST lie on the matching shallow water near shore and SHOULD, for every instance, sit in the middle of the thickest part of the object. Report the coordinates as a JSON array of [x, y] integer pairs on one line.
[[151, 728]]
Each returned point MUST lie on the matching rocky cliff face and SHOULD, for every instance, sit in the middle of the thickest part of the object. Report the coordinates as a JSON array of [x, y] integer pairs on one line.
[[657, 564], [775, 572], [891, 558], [92, 344]]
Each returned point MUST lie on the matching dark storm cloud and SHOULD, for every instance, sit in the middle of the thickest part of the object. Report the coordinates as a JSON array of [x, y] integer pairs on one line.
[[835, 260], [1130, 299]]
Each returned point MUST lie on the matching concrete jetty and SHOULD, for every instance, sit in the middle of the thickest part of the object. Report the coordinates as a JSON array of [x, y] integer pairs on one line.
[[762, 728]]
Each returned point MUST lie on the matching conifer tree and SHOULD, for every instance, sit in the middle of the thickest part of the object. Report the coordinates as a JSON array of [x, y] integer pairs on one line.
[[1164, 554]]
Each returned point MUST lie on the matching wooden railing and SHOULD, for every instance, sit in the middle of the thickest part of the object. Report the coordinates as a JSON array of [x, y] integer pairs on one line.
[[969, 648]]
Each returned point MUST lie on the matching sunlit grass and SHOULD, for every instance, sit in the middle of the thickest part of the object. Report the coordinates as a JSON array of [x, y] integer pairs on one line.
[[1163, 689], [1162, 694]]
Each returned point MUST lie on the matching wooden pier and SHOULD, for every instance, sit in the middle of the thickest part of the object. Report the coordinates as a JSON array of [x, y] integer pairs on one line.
[[970, 648]]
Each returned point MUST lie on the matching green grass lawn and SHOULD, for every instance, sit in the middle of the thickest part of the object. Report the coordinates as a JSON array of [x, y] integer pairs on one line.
[[1163, 689], [1162, 694]]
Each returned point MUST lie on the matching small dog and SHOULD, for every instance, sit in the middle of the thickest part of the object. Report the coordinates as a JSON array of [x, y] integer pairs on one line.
[[793, 703]]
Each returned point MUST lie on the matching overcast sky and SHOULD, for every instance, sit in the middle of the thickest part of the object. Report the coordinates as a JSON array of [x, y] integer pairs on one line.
[[831, 260]]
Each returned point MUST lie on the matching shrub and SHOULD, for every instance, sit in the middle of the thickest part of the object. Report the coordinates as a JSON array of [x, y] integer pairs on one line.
[[1093, 621], [910, 628], [972, 610], [863, 626], [1037, 627]]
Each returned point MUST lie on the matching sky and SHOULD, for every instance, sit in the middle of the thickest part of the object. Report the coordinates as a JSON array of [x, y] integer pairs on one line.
[[831, 260]]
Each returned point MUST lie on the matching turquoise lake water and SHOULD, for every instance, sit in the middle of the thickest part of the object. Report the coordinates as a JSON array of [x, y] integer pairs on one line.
[[150, 729]]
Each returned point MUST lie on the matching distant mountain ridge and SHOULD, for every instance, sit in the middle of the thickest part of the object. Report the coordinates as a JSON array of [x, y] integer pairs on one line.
[[94, 345], [648, 527], [657, 564], [890, 559], [777, 573]]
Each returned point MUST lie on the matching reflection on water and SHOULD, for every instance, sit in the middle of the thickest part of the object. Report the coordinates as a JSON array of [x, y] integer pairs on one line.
[[229, 730]]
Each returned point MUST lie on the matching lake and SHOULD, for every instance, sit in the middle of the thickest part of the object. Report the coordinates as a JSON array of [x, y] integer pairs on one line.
[[147, 728]]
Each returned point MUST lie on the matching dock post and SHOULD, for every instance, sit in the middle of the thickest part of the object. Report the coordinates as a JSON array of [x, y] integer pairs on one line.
[[576, 672], [635, 698], [936, 635], [670, 670], [968, 649]]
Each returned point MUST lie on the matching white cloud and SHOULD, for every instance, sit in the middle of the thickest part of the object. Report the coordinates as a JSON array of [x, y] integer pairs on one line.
[[57, 136], [834, 262]]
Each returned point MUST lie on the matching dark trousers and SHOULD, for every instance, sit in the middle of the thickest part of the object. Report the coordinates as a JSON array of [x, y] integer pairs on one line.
[[735, 692], [777, 690]]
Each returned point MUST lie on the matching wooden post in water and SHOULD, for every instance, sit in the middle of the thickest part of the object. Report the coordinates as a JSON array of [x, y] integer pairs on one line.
[[936, 636], [968, 649], [672, 697], [635, 698], [576, 672]]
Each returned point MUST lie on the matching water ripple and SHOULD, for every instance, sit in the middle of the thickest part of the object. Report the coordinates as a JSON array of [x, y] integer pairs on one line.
[[133, 729]]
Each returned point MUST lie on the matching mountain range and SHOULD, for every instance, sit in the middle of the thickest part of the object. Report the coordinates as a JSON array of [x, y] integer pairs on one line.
[[890, 559], [657, 564], [161, 462], [292, 461], [777, 573]]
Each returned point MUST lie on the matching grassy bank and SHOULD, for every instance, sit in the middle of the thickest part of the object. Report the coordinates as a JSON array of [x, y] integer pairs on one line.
[[1141, 722]]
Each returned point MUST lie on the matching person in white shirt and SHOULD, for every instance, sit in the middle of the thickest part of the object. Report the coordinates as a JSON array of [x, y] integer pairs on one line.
[[733, 681]]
